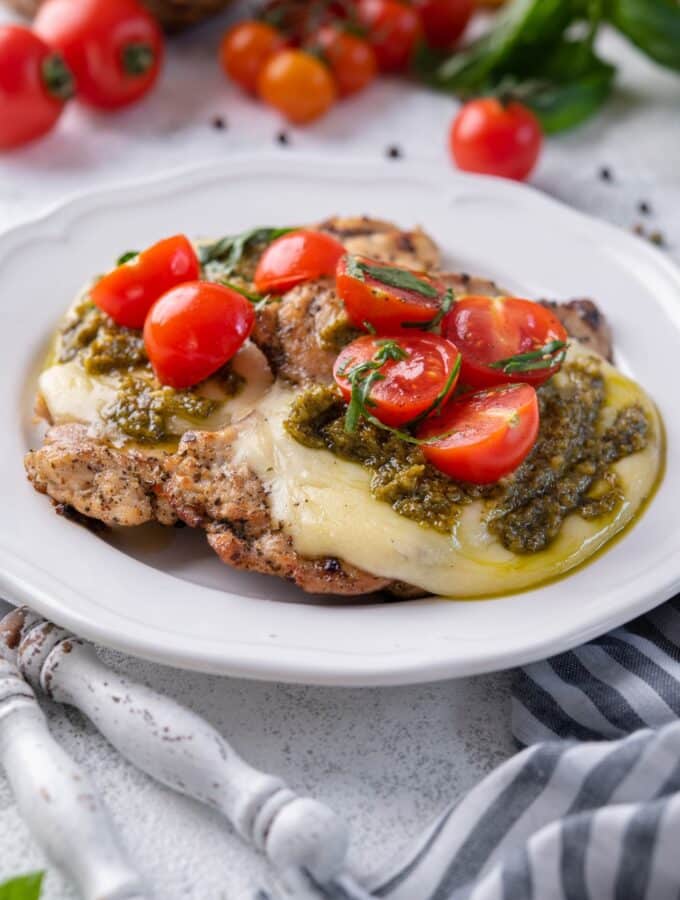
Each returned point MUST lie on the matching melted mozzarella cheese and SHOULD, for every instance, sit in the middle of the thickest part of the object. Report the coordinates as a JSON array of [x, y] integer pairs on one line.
[[70, 394], [324, 503]]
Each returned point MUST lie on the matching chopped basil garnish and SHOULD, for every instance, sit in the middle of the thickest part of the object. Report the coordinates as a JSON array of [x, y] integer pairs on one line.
[[231, 249], [364, 375], [391, 276], [434, 323], [542, 358], [249, 295]]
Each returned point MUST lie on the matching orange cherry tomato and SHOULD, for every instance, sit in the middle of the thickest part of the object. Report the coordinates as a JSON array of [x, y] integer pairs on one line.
[[113, 47], [246, 48], [372, 293], [484, 436], [194, 329], [298, 85], [299, 256], [129, 291], [422, 376], [34, 86], [491, 329], [394, 29], [351, 58], [493, 139], [444, 21]]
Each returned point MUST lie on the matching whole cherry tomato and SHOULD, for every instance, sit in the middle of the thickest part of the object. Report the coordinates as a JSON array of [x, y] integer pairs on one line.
[[444, 21], [298, 85], [385, 296], [129, 291], [34, 86], [194, 329], [496, 139], [351, 58], [296, 257], [394, 29], [504, 340], [416, 373], [246, 48], [484, 436], [114, 47]]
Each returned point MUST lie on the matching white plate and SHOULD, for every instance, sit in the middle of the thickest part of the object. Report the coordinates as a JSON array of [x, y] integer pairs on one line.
[[161, 594]]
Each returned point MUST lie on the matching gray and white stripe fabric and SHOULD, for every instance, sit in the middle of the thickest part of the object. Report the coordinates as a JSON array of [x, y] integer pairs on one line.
[[590, 809]]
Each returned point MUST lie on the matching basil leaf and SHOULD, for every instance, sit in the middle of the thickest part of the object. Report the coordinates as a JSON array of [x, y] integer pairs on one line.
[[25, 887], [434, 323], [524, 30], [562, 106], [441, 396], [652, 25], [398, 278], [533, 360], [249, 295], [126, 257], [568, 87], [231, 249]]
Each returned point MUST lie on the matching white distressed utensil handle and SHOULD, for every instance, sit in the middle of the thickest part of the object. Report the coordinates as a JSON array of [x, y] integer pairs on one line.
[[179, 748], [57, 800]]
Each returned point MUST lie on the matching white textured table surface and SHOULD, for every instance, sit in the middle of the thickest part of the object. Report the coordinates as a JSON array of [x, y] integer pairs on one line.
[[386, 759]]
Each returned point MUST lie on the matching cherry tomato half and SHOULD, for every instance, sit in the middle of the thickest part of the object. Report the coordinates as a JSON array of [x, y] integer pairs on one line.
[[34, 85], [485, 435], [444, 21], [490, 329], [494, 139], [194, 329], [296, 257], [351, 58], [246, 48], [113, 47], [371, 293], [297, 84], [394, 29], [129, 291], [421, 371]]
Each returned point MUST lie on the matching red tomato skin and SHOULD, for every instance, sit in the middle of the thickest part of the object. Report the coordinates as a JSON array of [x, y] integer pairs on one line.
[[194, 329], [128, 292], [491, 139], [394, 29], [521, 326], [384, 307], [444, 21], [27, 109], [294, 258], [351, 59], [92, 36], [499, 452], [411, 386]]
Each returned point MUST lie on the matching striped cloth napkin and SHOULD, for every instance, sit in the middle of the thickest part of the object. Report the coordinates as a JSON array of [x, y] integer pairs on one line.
[[590, 809]]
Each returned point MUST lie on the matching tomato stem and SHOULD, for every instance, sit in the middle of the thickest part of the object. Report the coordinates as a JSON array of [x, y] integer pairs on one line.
[[138, 58], [57, 77]]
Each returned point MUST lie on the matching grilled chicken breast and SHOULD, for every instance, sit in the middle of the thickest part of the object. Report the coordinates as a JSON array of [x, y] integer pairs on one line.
[[209, 482]]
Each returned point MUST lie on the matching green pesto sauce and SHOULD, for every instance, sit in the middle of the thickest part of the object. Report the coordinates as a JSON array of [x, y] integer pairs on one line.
[[340, 332], [143, 407], [568, 470]]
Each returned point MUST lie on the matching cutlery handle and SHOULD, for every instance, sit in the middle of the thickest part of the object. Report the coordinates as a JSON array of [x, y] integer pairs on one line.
[[57, 800], [182, 750]]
